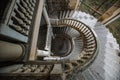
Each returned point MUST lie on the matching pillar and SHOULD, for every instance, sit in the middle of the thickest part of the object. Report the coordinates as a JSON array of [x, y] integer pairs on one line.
[[10, 51]]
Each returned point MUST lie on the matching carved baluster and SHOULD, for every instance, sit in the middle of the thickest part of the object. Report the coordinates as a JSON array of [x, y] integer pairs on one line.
[[25, 12], [33, 2], [29, 5], [20, 21], [27, 8], [23, 17], [16, 27]]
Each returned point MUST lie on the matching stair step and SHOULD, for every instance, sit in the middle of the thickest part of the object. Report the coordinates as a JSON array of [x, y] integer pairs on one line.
[[96, 75], [71, 13], [61, 13], [99, 69], [112, 54], [64, 14], [88, 75], [112, 72], [74, 14], [113, 63], [67, 14], [108, 77]]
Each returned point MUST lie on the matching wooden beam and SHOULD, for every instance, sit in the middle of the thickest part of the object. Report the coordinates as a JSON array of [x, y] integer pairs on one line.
[[36, 30], [112, 18], [111, 12]]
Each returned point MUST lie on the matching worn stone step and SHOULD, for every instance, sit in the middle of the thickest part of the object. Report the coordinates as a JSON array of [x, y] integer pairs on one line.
[[88, 75], [96, 75]]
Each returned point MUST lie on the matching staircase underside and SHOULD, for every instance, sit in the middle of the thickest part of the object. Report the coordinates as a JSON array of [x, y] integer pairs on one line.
[[73, 34], [107, 64]]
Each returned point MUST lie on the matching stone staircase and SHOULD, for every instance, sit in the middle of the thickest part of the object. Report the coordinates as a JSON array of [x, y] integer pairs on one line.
[[87, 19], [107, 63], [67, 23]]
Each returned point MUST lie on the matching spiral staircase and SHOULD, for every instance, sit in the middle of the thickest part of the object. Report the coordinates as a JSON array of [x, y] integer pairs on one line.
[[75, 24], [106, 65], [80, 50], [73, 41]]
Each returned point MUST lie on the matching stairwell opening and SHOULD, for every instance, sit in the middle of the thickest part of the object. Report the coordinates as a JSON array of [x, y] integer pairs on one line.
[[61, 45]]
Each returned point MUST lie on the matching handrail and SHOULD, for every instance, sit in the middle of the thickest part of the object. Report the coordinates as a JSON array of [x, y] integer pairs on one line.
[[90, 41], [32, 69]]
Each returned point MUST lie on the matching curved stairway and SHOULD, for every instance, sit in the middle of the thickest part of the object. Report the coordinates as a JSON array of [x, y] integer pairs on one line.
[[80, 43], [73, 31], [106, 65], [85, 18], [75, 43], [86, 44]]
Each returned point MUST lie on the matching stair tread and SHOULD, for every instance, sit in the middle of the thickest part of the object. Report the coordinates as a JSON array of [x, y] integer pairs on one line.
[[96, 75], [107, 63], [87, 75]]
